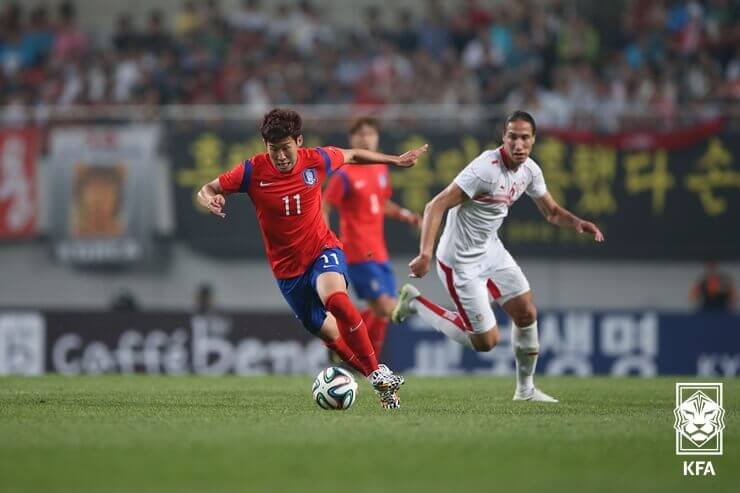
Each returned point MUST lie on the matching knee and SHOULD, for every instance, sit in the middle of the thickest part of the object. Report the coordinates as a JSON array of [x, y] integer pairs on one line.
[[339, 303], [381, 311], [488, 342], [383, 306], [526, 316]]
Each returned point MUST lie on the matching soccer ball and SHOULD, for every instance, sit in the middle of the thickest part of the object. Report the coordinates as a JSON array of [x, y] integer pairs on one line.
[[334, 388]]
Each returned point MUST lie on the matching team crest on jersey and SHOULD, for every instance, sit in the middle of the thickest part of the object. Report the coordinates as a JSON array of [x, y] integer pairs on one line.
[[310, 177], [382, 181]]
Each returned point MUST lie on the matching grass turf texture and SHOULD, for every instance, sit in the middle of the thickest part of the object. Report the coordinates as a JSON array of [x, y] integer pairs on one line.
[[166, 434]]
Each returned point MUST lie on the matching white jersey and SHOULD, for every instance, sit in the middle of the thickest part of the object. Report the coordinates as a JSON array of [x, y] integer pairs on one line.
[[471, 229]]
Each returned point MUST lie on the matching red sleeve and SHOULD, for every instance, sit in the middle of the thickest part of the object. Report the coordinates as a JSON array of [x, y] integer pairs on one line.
[[337, 189], [332, 158], [237, 178]]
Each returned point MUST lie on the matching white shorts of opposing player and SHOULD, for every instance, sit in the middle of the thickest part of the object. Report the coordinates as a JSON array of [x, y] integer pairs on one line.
[[472, 286]]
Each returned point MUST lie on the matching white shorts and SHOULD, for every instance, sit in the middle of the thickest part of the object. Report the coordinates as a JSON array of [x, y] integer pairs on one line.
[[471, 288]]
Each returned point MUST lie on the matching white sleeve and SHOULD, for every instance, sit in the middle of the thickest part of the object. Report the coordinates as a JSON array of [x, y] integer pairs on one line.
[[474, 179], [536, 187]]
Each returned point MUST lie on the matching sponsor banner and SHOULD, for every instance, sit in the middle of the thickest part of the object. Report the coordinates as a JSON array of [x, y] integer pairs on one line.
[[585, 343], [18, 210], [101, 194], [74, 343], [571, 343], [656, 195]]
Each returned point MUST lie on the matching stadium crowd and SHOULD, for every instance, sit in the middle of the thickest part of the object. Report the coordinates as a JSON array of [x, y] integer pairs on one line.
[[547, 57]]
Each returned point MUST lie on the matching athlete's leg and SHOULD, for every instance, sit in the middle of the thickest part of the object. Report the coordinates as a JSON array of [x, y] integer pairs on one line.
[[524, 338], [510, 288], [374, 282], [382, 306], [333, 340], [472, 325], [332, 290], [376, 319], [308, 308]]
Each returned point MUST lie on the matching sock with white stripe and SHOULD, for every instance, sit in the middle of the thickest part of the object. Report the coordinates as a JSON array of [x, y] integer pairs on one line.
[[447, 322], [526, 346]]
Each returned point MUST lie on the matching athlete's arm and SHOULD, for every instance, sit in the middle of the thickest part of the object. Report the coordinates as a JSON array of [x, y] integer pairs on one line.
[[562, 217], [363, 156], [450, 197], [211, 197], [395, 211]]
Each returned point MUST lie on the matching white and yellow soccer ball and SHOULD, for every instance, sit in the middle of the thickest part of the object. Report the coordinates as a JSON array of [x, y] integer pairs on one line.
[[334, 389]]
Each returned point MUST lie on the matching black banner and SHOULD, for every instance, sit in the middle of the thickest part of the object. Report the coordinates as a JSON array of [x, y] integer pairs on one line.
[[579, 342], [655, 195], [172, 343]]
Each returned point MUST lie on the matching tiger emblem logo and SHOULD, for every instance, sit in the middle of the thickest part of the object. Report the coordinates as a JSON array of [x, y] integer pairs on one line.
[[699, 419]]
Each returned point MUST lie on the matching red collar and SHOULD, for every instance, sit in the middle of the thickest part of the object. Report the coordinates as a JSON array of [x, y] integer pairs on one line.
[[505, 158]]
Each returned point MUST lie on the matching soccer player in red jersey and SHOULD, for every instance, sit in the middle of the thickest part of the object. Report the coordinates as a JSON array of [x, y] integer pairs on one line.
[[361, 195], [307, 260]]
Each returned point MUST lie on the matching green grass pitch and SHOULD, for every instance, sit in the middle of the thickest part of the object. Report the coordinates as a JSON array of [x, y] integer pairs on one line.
[[183, 434]]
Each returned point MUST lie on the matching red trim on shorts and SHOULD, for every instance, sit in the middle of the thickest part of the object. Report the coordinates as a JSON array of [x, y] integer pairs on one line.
[[456, 299], [493, 289], [442, 313]]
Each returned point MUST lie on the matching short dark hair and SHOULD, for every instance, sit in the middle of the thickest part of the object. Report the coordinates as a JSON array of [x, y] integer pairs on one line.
[[521, 116], [280, 123], [361, 121]]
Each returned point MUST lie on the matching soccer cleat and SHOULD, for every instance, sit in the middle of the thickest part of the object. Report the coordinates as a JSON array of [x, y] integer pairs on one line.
[[403, 308], [386, 385], [390, 400], [534, 395]]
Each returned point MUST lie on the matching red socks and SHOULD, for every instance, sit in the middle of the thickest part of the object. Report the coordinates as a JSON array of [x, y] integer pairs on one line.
[[340, 347], [353, 331], [376, 328]]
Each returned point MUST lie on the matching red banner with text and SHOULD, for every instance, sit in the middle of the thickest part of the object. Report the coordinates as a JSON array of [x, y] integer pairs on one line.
[[18, 210]]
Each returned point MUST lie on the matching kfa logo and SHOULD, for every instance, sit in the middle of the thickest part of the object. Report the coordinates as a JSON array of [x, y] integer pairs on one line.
[[310, 177], [699, 424]]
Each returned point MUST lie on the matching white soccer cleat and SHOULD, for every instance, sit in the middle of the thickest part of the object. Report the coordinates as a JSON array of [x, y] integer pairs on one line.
[[386, 385], [534, 395], [403, 308]]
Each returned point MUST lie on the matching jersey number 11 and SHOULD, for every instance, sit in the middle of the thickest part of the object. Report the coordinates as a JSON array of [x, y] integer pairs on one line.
[[286, 201]]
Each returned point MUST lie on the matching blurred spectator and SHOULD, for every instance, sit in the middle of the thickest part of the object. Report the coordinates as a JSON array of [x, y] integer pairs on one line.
[[70, 43], [125, 301], [659, 59], [124, 37], [250, 17], [434, 35], [714, 291], [40, 36], [204, 299], [578, 40], [188, 19], [476, 16], [405, 38], [155, 40]]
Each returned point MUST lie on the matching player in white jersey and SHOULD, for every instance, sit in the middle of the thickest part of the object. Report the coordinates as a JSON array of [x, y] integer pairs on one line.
[[472, 262]]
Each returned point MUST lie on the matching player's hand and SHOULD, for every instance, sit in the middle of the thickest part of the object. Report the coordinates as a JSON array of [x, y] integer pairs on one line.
[[216, 205], [408, 159], [587, 227], [411, 218], [419, 267]]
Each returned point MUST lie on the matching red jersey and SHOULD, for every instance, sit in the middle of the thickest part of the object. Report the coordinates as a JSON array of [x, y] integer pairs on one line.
[[360, 194], [288, 206]]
